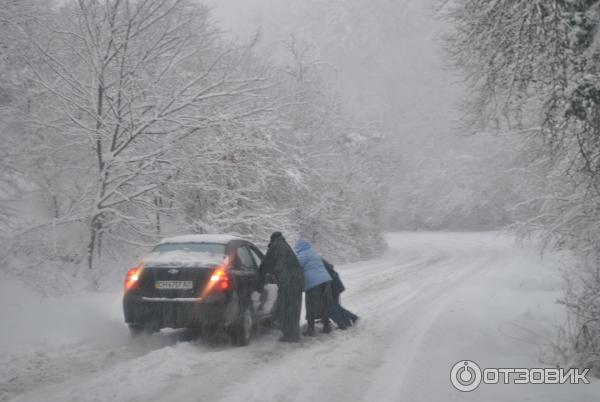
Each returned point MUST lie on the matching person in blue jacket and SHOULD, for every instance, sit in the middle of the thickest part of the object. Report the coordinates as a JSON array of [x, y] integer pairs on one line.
[[317, 287]]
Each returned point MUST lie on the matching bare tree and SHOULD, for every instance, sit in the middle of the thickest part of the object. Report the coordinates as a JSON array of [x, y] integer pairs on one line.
[[130, 80], [136, 120]]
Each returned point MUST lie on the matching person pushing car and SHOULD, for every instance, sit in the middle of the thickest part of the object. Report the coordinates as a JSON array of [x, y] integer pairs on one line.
[[317, 285], [281, 261]]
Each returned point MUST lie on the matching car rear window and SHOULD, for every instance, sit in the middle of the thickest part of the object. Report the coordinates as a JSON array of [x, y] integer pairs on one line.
[[211, 248]]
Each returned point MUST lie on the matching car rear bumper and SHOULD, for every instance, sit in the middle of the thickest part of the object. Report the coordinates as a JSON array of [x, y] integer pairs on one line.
[[179, 312]]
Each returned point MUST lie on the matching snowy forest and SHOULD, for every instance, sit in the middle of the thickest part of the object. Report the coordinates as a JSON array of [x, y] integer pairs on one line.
[[343, 122], [532, 72], [115, 138], [127, 121]]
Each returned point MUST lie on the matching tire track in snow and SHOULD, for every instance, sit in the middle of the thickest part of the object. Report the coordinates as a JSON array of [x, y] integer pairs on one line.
[[397, 297], [346, 365]]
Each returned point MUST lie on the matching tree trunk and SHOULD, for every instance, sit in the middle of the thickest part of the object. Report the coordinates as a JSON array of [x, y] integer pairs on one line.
[[95, 236], [92, 243]]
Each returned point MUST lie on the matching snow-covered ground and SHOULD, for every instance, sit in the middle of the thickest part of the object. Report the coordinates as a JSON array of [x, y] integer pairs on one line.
[[433, 299]]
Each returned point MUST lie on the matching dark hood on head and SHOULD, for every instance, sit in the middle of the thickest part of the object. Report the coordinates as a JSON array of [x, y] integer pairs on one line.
[[275, 237]]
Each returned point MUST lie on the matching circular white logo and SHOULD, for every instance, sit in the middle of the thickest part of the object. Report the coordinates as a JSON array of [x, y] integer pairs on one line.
[[465, 375]]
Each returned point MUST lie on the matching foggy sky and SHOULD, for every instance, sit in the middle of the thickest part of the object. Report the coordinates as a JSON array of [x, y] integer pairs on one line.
[[389, 58]]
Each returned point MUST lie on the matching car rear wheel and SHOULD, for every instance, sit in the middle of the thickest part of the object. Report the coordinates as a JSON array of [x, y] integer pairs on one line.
[[241, 330]]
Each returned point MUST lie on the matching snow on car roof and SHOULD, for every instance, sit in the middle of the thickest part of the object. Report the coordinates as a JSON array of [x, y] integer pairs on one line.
[[179, 258], [201, 238]]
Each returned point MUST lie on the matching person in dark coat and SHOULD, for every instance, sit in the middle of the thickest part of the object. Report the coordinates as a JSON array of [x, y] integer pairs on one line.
[[343, 318], [317, 287], [281, 262]]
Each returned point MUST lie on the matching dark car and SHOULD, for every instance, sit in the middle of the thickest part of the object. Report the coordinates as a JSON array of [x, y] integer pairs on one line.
[[199, 281]]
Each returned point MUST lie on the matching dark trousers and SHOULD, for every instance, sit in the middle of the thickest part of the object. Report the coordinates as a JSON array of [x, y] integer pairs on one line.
[[343, 318], [288, 308], [319, 303]]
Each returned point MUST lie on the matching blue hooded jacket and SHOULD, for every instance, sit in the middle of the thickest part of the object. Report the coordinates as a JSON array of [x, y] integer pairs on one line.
[[314, 270]]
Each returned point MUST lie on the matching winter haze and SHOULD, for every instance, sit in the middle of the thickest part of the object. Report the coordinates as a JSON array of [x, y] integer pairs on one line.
[[389, 66], [158, 156]]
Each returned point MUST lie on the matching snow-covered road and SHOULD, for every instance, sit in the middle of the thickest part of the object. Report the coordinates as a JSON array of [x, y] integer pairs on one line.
[[431, 300]]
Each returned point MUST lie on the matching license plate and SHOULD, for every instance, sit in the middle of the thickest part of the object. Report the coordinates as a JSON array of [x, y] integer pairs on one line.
[[162, 285]]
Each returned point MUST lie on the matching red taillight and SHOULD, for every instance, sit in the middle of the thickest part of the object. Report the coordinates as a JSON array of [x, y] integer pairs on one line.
[[132, 278], [220, 280]]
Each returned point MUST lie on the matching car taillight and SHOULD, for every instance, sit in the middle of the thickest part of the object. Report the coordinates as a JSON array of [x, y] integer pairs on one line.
[[220, 280], [132, 278]]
